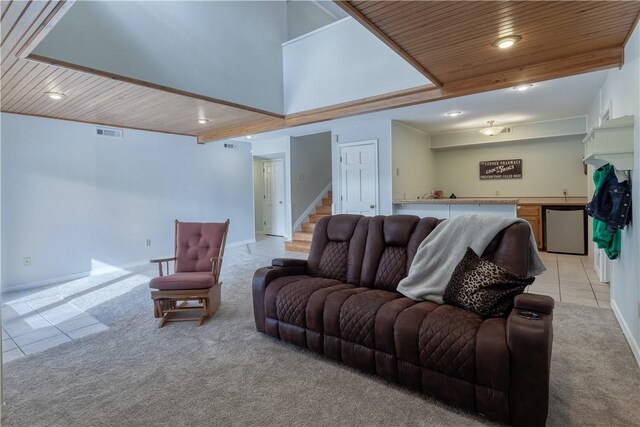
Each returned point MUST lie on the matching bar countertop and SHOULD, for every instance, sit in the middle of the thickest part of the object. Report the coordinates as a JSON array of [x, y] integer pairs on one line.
[[544, 201], [458, 201]]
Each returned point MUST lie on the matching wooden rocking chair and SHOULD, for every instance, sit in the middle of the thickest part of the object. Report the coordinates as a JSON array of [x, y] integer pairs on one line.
[[199, 249]]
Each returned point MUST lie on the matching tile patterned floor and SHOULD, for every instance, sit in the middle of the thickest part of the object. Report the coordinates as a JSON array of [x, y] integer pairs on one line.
[[33, 325], [572, 279]]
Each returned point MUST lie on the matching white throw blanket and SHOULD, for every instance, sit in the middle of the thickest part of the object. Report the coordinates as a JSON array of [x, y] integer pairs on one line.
[[442, 250]]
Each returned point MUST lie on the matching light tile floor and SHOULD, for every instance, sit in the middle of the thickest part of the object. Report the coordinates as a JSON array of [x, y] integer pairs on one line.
[[572, 279], [33, 325]]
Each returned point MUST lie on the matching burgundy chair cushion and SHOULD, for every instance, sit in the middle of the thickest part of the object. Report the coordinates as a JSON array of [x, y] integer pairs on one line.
[[179, 281], [196, 244]]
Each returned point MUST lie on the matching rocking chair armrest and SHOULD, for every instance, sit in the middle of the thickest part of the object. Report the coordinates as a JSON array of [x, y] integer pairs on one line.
[[162, 260]]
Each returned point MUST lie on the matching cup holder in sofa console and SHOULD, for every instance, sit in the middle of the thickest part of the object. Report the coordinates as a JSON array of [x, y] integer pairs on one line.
[[530, 315]]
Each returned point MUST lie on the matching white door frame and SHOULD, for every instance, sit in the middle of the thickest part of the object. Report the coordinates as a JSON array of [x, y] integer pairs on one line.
[[342, 145]]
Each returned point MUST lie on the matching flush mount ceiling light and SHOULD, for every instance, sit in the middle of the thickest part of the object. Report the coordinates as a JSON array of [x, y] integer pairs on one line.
[[453, 113], [506, 42], [522, 88], [249, 136], [56, 95], [491, 130], [203, 121]]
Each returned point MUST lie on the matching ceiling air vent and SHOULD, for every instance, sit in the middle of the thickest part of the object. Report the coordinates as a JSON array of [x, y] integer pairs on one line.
[[230, 146], [506, 130], [109, 133]]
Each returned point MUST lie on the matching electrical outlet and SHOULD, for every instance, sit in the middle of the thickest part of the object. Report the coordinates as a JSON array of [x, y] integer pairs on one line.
[[148, 242], [397, 171], [26, 261], [565, 191], [497, 193]]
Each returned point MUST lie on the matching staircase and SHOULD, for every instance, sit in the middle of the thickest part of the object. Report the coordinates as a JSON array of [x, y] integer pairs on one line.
[[302, 239]]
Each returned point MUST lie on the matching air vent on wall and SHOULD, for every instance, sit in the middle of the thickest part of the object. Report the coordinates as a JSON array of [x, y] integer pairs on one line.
[[230, 146], [109, 133]]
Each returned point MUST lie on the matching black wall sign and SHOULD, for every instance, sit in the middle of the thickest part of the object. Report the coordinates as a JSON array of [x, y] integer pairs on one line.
[[501, 169]]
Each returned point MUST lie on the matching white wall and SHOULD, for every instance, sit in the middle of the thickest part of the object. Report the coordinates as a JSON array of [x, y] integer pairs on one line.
[[75, 202], [548, 166], [222, 49], [339, 63], [310, 170], [305, 16], [622, 90], [413, 162], [380, 131]]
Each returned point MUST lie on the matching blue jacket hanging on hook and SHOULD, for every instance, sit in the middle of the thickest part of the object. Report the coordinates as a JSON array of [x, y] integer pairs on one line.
[[611, 202]]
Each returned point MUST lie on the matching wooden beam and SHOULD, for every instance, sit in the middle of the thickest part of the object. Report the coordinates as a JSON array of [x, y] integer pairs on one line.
[[355, 14], [563, 67]]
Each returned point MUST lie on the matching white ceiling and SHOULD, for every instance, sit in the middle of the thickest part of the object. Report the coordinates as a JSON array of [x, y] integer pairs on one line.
[[549, 100]]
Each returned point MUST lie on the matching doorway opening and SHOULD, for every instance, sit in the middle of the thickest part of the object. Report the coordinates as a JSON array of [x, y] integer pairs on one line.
[[269, 195]]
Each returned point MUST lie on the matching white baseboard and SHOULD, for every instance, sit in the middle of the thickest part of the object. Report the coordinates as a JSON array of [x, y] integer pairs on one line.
[[298, 224], [97, 271], [635, 348]]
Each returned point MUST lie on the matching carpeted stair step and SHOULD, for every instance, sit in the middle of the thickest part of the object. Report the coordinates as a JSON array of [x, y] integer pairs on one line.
[[298, 246]]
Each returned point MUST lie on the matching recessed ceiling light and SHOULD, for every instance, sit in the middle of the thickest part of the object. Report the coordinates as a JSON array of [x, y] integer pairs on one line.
[[506, 42], [203, 121], [56, 95], [249, 136], [491, 130], [522, 88], [453, 113]]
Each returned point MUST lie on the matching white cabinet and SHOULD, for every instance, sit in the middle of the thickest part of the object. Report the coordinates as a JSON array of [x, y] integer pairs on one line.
[[611, 143]]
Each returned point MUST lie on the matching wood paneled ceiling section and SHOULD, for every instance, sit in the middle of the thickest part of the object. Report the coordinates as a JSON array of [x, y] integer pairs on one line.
[[95, 97], [452, 40]]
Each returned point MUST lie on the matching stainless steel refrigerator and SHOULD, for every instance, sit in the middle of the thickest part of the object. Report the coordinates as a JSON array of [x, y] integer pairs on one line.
[[565, 230]]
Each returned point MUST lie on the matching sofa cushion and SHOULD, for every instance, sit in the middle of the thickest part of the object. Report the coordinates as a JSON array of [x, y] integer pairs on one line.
[[338, 247], [287, 297], [392, 243], [179, 281], [358, 316]]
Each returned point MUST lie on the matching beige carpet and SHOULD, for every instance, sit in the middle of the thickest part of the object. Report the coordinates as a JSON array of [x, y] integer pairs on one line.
[[225, 373]]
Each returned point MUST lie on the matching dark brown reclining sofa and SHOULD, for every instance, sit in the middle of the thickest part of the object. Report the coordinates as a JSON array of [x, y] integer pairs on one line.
[[343, 303]]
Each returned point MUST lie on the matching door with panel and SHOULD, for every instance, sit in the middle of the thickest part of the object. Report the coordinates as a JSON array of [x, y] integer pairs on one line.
[[274, 193], [359, 178]]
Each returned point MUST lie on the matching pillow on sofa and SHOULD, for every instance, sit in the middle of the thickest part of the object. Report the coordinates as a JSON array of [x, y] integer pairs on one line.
[[483, 287]]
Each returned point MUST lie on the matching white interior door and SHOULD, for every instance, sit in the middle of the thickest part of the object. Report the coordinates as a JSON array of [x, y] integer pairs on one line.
[[359, 178], [273, 197]]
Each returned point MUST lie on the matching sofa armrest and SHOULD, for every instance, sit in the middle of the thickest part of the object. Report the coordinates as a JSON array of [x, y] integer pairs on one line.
[[289, 262], [529, 339], [261, 280]]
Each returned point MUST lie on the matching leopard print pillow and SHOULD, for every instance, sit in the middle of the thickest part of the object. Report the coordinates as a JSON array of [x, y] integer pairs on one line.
[[483, 287]]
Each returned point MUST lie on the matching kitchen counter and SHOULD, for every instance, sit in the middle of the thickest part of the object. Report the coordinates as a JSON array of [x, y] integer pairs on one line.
[[458, 201], [553, 201]]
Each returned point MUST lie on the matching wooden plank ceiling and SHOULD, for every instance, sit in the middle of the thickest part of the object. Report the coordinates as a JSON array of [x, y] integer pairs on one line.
[[95, 97], [448, 41]]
